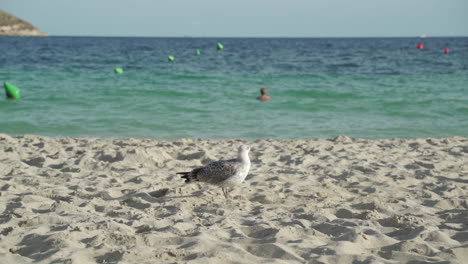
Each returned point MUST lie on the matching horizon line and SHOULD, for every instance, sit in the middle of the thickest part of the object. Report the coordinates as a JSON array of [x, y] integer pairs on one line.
[[188, 36]]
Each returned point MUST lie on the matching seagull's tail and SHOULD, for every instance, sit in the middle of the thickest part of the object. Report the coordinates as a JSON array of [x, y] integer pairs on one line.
[[189, 176]]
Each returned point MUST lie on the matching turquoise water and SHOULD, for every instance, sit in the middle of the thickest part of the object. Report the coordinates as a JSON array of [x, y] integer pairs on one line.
[[370, 88]]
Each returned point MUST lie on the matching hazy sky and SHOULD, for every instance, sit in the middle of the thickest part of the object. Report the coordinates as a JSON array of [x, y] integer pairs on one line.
[[250, 18]]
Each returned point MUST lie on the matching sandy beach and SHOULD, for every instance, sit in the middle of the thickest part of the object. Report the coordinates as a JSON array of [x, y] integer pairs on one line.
[[341, 200]]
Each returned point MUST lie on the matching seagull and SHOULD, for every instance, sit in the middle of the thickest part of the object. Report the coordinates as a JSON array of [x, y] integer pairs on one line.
[[222, 173]]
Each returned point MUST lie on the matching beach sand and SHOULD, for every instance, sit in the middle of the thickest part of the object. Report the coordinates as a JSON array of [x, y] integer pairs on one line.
[[342, 200]]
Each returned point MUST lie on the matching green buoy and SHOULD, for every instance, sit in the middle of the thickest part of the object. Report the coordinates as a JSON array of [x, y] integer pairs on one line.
[[12, 92], [220, 46], [197, 52], [118, 70], [170, 58]]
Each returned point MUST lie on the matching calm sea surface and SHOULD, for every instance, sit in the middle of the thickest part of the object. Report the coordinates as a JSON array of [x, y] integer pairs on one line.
[[365, 87]]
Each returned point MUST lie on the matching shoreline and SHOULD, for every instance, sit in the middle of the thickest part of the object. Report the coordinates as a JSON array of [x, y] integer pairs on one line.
[[304, 201], [145, 138]]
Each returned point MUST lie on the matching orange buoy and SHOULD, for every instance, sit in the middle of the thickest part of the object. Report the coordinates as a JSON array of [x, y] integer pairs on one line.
[[420, 46], [446, 50]]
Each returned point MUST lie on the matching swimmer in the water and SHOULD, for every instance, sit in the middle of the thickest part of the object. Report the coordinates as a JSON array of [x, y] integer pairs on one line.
[[264, 96]]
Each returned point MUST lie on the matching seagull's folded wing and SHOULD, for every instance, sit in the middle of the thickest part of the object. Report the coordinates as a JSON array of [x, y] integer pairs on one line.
[[219, 171]]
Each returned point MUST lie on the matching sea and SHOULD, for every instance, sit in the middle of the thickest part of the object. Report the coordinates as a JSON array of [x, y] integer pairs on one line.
[[371, 88]]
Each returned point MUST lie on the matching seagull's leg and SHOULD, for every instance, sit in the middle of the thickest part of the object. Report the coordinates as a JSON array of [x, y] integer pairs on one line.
[[226, 192]]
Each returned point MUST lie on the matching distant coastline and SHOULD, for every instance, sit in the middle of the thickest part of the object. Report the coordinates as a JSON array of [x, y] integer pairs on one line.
[[11, 26]]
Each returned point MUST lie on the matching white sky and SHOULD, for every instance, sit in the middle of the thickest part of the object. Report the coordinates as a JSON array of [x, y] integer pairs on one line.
[[244, 18]]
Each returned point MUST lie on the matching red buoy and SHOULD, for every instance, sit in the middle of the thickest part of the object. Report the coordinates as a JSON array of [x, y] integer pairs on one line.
[[420, 46], [446, 50]]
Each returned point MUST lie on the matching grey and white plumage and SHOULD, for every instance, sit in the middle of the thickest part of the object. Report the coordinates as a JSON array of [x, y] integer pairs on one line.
[[222, 173]]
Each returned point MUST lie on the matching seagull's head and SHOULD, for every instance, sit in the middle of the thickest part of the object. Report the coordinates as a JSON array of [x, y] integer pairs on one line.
[[244, 152], [244, 148]]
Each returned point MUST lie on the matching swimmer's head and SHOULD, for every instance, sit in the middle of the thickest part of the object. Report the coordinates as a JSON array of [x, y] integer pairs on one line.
[[263, 91]]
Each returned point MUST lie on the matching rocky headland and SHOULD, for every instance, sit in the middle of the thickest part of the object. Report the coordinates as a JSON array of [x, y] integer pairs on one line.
[[13, 26]]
